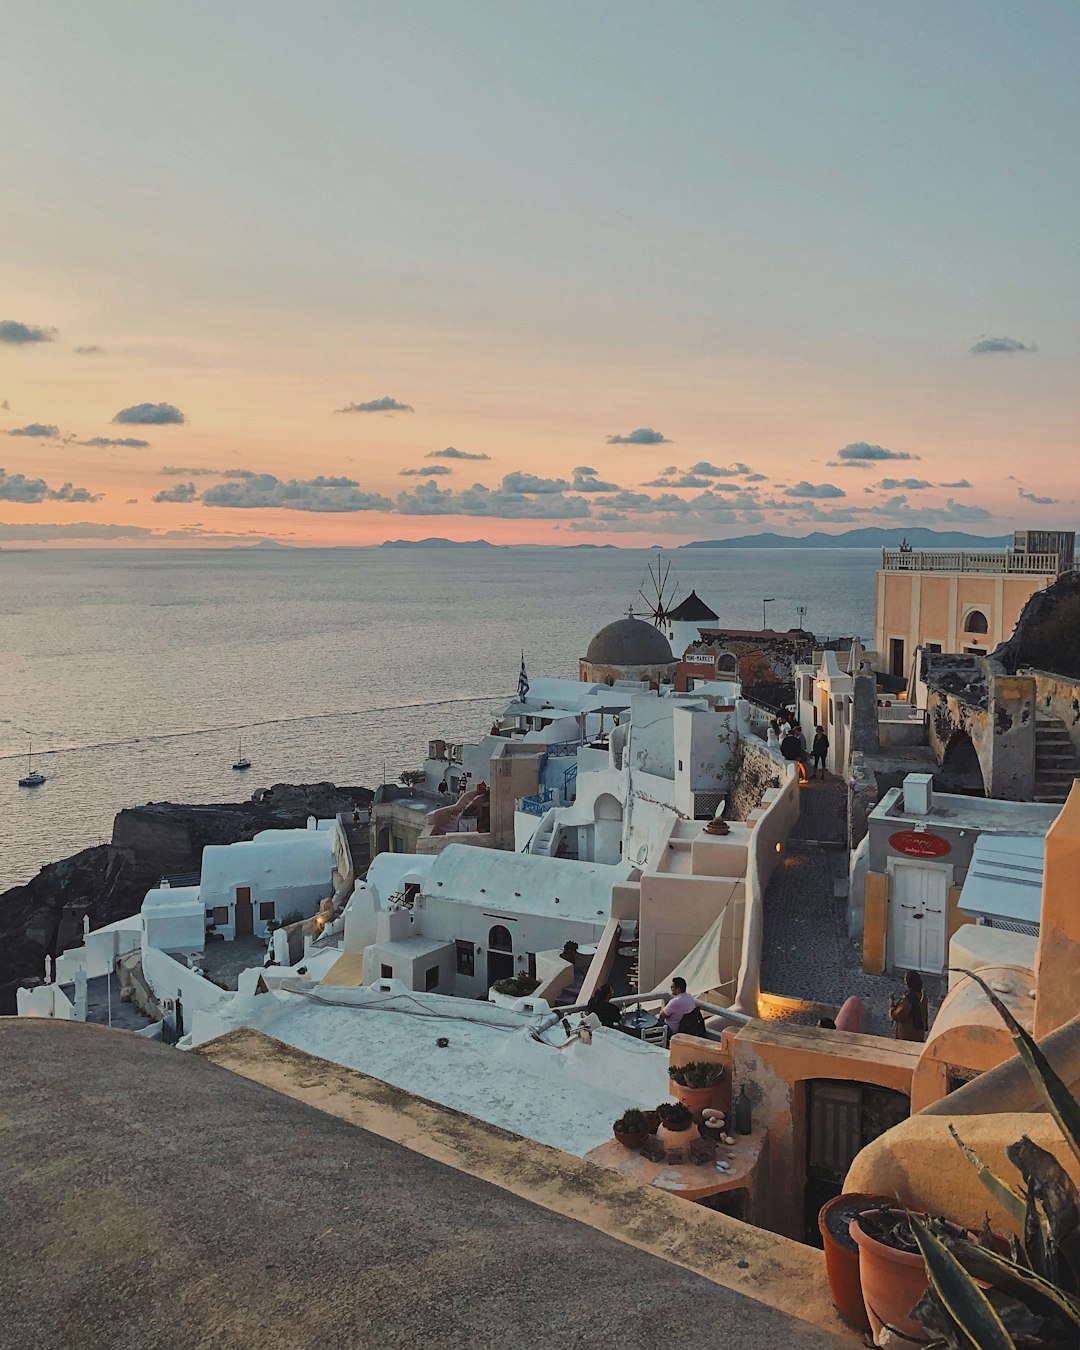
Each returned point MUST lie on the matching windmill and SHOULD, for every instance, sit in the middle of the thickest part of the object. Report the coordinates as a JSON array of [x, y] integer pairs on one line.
[[656, 591]]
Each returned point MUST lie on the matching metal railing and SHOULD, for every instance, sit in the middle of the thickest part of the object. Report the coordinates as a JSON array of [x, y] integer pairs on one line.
[[537, 804], [923, 560]]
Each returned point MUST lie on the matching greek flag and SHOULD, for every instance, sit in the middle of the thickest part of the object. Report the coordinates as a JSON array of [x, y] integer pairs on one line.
[[523, 681]]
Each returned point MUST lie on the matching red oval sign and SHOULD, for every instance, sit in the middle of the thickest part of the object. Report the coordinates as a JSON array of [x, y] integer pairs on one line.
[[919, 844]]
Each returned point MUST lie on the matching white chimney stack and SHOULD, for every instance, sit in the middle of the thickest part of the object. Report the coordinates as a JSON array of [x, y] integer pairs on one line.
[[918, 794]]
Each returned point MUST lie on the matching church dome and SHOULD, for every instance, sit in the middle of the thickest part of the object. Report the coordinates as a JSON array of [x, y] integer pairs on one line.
[[629, 642]]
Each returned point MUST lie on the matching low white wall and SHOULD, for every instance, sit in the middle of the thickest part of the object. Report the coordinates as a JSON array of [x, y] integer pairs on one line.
[[166, 978], [45, 1000], [779, 812], [100, 948]]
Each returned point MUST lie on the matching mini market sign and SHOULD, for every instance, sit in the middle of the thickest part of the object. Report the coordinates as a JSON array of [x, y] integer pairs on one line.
[[919, 844]]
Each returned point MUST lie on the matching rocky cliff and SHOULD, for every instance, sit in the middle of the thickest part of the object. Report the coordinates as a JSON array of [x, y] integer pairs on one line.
[[148, 842]]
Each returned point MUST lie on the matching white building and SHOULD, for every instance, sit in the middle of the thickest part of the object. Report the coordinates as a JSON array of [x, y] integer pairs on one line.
[[247, 886], [172, 919], [457, 921]]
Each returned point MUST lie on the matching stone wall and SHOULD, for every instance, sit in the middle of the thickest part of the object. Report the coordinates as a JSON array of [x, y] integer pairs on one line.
[[754, 769]]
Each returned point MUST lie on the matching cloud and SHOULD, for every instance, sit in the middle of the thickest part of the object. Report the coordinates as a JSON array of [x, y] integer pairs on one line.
[[960, 483], [527, 482], [814, 490], [16, 487], [859, 452], [439, 470], [314, 494], [20, 334], [1039, 501], [179, 471], [150, 414], [385, 404], [993, 346], [642, 436], [904, 484], [428, 499], [451, 453], [952, 513], [67, 493], [89, 351], [40, 431], [132, 501], [103, 442], [736, 470], [587, 479], [181, 492]]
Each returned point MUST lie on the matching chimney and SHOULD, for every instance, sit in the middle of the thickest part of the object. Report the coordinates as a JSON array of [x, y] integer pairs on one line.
[[918, 794]]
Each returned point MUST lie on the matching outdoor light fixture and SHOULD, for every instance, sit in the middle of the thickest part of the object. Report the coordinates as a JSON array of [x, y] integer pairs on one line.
[[779, 847]]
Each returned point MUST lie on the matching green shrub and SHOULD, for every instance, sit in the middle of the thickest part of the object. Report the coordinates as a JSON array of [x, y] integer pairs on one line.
[[516, 986], [699, 1073], [632, 1121]]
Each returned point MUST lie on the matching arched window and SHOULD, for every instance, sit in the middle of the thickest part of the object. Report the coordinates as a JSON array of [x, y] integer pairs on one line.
[[976, 622], [499, 939]]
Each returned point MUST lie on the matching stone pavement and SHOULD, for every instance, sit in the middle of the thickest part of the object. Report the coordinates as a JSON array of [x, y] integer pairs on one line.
[[807, 953]]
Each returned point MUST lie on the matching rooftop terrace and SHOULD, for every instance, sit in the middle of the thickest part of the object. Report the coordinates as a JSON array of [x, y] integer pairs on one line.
[[995, 561]]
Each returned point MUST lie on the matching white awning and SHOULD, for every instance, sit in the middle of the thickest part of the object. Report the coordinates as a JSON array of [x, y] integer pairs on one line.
[[1004, 881]]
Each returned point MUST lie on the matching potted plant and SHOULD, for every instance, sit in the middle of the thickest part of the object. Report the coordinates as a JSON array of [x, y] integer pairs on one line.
[[676, 1124], [842, 1253], [630, 1129], [892, 1271], [694, 1084], [570, 951], [516, 986]]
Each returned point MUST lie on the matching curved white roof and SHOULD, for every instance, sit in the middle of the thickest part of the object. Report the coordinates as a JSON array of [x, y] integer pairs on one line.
[[525, 883]]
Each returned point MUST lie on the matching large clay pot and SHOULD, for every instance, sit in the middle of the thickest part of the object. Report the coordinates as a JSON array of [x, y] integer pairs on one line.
[[678, 1140], [842, 1253], [892, 1282], [631, 1141], [694, 1099]]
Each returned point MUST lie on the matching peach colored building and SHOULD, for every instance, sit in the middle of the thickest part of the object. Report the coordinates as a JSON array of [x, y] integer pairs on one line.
[[954, 602]]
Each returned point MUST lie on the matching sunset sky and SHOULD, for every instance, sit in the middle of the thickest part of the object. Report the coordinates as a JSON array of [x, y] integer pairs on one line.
[[538, 272]]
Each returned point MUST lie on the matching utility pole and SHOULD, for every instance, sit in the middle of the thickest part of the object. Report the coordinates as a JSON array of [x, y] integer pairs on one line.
[[765, 600]]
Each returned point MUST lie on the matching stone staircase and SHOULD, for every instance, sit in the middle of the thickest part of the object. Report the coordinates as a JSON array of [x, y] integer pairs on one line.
[[1055, 760]]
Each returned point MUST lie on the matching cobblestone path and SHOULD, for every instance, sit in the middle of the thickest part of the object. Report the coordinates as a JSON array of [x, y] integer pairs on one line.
[[807, 953]]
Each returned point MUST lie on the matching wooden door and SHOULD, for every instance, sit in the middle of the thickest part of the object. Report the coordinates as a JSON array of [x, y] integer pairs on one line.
[[245, 912], [919, 897]]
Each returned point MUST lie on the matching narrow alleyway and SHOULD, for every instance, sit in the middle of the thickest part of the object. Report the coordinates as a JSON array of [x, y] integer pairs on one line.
[[807, 953]]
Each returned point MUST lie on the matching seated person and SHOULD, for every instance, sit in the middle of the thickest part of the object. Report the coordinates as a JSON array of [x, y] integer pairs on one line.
[[676, 1008], [601, 1006]]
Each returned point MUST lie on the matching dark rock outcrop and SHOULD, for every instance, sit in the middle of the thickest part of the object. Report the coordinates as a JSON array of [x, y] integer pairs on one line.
[[1047, 634], [109, 882]]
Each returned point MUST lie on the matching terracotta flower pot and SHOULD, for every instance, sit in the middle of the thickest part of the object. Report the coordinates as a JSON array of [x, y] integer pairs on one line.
[[842, 1253], [694, 1099], [630, 1141], [892, 1282]]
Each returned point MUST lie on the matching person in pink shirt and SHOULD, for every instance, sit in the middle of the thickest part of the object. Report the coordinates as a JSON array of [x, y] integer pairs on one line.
[[676, 1008]]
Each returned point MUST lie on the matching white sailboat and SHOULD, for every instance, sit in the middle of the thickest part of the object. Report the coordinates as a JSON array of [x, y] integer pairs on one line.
[[32, 778], [241, 762]]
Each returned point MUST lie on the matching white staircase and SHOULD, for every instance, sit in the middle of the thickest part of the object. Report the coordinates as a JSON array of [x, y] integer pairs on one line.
[[544, 840]]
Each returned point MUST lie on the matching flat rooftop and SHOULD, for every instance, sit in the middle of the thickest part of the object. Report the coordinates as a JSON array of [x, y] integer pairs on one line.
[[193, 1207], [975, 813], [492, 1067]]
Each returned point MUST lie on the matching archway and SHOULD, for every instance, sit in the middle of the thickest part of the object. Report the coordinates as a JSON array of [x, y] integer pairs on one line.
[[500, 961], [960, 770], [607, 831], [976, 622]]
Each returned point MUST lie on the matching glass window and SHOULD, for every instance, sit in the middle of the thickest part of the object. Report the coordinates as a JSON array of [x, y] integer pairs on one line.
[[387, 972], [976, 622], [499, 939], [266, 909], [466, 958], [221, 914]]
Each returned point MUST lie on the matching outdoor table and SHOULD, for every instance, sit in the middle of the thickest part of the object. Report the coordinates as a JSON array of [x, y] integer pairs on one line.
[[638, 1022]]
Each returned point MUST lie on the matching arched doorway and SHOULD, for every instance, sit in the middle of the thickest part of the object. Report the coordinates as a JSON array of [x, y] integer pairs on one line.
[[960, 770], [976, 622], [607, 830], [500, 961]]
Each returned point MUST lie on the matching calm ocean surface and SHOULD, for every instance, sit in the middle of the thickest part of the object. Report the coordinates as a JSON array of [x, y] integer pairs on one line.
[[137, 671]]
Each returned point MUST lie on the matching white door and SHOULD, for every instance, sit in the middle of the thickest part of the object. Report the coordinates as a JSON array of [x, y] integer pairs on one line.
[[919, 898]]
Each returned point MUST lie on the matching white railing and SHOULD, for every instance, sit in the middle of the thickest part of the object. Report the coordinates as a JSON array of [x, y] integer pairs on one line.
[[923, 560]]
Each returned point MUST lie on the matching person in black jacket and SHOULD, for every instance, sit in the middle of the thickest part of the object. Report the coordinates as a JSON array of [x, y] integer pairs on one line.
[[820, 750], [601, 1005]]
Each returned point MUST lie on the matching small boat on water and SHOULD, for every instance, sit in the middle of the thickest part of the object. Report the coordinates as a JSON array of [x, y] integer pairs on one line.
[[32, 778], [241, 762]]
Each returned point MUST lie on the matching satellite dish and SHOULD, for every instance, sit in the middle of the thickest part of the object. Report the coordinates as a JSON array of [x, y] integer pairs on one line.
[[641, 855]]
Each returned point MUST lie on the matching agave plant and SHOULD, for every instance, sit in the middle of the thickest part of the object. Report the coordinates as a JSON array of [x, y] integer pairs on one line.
[[699, 1073], [1029, 1300]]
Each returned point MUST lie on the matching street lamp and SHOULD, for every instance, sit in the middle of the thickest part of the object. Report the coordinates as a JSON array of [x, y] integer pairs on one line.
[[765, 600]]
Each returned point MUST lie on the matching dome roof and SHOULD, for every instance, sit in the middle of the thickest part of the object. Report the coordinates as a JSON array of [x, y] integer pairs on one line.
[[629, 642]]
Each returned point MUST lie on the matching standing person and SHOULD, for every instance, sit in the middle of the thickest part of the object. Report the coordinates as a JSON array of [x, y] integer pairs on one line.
[[794, 751], [909, 1012], [820, 750], [677, 1006]]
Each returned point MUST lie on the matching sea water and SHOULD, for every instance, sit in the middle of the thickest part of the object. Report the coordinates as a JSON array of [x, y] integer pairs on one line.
[[138, 671]]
